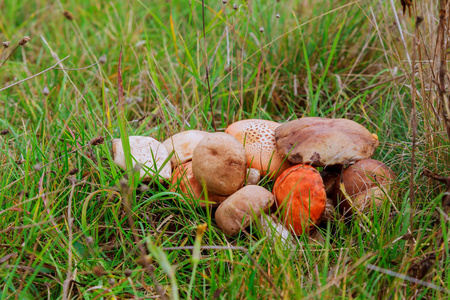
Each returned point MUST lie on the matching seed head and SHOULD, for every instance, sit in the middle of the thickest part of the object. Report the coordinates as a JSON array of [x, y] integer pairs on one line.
[[261, 29], [6, 44], [143, 188], [89, 240], [98, 271], [235, 7], [37, 167], [97, 141], [46, 91], [277, 16], [24, 40], [224, 2], [73, 171], [127, 272], [102, 59], [68, 15], [123, 184], [111, 281]]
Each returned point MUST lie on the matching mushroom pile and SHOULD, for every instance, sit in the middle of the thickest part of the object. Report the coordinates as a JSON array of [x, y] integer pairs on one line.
[[313, 167]]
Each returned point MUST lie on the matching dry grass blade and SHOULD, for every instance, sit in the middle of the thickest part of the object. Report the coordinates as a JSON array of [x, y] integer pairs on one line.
[[408, 278]]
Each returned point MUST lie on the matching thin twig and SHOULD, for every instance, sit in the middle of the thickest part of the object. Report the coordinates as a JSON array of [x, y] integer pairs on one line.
[[11, 53], [412, 191], [84, 68], [408, 278], [31, 77]]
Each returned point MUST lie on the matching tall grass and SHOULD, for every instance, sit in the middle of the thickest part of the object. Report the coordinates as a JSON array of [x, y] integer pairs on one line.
[[313, 58]]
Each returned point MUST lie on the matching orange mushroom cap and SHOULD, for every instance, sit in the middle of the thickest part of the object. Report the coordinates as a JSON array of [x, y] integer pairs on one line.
[[258, 138], [300, 193], [190, 187]]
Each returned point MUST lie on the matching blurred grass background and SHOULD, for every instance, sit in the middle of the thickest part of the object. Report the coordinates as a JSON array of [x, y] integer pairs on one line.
[[277, 60]]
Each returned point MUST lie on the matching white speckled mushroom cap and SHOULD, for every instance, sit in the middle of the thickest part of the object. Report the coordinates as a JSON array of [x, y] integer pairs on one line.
[[184, 144], [258, 138], [148, 153]]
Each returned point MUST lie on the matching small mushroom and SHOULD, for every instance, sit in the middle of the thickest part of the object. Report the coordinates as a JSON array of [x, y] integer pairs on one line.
[[322, 142], [183, 177], [258, 138], [275, 231], [366, 183], [301, 197], [219, 161], [147, 153], [253, 176], [241, 208], [183, 145]]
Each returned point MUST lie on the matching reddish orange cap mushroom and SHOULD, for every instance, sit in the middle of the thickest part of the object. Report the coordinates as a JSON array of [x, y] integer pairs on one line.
[[300, 193], [190, 187]]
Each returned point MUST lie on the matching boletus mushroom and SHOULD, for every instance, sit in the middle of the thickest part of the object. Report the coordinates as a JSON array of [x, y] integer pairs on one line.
[[301, 197], [148, 153], [258, 138], [219, 160], [241, 208], [323, 142], [184, 179], [183, 145], [366, 183]]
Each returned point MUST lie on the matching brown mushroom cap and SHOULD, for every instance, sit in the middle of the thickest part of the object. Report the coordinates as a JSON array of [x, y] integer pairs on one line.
[[183, 177], [241, 208], [183, 144], [323, 142], [147, 152], [258, 136], [220, 161], [365, 183]]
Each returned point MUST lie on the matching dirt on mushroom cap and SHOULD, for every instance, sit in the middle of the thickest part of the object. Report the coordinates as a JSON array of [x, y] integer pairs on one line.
[[322, 142]]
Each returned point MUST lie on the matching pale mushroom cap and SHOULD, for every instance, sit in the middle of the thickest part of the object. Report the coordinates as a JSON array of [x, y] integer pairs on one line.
[[184, 144], [148, 153], [324, 142], [241, 208], [220, 161], [184, 178], [258, 138]]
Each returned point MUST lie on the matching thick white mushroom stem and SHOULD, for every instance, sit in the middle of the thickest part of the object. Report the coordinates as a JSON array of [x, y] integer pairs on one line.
[[274, 230]]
